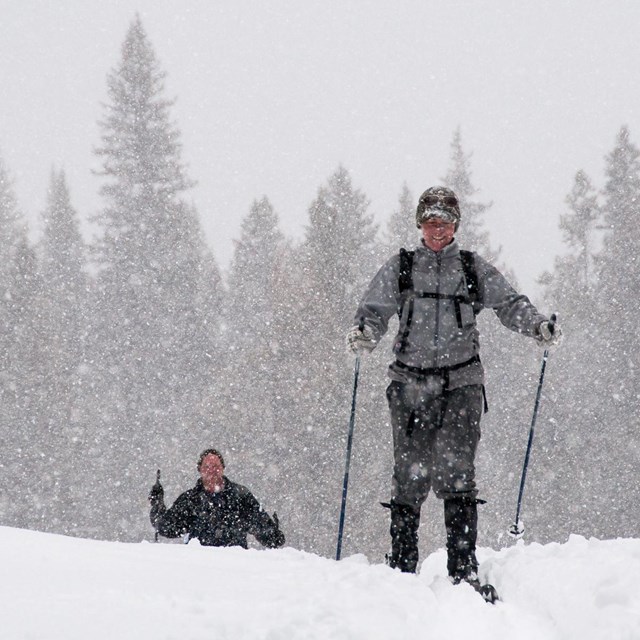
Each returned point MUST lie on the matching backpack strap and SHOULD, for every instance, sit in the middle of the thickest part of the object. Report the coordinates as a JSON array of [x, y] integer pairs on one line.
[[405, 279], [405, 285], [470, 275]]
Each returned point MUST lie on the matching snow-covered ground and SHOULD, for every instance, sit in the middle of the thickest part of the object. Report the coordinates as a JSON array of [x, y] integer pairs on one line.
[[58, 588]]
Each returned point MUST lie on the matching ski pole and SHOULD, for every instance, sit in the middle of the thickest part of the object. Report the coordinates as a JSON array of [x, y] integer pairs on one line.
[[352, 420], [517, 528]]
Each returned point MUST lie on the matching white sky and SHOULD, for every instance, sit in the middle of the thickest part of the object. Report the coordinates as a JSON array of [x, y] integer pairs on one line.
[[273, 96]]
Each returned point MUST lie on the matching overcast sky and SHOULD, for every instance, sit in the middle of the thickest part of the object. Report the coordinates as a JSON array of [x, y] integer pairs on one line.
[[273, 95]]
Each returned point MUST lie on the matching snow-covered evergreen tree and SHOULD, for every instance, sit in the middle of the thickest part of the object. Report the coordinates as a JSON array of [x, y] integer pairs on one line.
[[401, 228], [618, 263], [617, 381], [564, 456], [61, 334], [152, 359], [65, 293], [509, 360], [337, 263], [19, 380], [472, 234], [256, 344]]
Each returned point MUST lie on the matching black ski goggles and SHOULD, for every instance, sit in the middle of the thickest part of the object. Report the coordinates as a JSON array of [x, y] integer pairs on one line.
[[434, 199]]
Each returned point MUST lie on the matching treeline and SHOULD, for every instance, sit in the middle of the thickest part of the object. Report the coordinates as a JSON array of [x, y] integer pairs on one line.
[[132, 352]]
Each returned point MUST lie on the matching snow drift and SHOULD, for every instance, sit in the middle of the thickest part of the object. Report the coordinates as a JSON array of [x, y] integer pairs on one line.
[[59, 588]]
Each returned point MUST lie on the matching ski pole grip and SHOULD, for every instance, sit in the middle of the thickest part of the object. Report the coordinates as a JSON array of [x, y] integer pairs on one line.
[[552, 322], [361, 323]]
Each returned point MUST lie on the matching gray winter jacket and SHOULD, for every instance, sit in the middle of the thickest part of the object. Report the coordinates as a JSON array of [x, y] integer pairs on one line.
[[435, 331]]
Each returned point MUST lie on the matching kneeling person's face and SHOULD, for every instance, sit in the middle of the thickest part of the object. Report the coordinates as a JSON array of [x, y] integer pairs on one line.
[[211, 472]]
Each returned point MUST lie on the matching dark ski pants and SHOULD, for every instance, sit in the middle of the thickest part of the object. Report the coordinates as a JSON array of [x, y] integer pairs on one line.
[[435, 438]]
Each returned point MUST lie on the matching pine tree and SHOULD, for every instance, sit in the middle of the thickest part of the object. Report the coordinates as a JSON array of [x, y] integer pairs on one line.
[[337, 248], [619, 259], [153, 346], [61, 335], [562, 448], [471, 234], [616, 385], [13, 236], [256, 344], [619, 275], [63, 267], [337, 262], [401, 226], [19, 387], [570, 287], [509, 360]]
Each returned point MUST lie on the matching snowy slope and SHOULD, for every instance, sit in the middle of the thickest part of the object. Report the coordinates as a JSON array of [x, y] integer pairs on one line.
[[58, 588]]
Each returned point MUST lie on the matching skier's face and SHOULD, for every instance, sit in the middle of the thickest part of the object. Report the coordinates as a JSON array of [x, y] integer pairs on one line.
[[211, 472], [437, 233]]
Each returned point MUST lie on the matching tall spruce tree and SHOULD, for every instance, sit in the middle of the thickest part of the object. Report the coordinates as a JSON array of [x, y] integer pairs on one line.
[[256, 344], [472, 234], [61, 335], [19, 380], [619, 259], [509, 361], [337, 262], [617, 385], [152, 353], [568, 457], [401, 226], [63, 264]]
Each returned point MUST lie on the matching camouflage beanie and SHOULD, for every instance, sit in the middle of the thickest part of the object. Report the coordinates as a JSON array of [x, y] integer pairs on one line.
[[438, 202]]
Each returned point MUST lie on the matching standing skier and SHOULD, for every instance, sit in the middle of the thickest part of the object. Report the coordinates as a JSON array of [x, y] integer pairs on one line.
[[437, 380], [217, 511]]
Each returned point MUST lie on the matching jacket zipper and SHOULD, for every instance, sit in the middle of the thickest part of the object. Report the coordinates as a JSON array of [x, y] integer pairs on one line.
[[436, 334]]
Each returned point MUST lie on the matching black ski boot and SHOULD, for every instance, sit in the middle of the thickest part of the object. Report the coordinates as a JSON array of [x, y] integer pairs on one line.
[[461, 521], [404, 537]]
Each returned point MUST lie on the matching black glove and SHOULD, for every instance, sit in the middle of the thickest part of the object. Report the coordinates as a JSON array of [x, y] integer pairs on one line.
[[156, 495], [156, 499], [278, 536]]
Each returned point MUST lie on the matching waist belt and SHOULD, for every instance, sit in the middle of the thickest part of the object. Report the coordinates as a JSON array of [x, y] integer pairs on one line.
[[436, 371], [443, 372]]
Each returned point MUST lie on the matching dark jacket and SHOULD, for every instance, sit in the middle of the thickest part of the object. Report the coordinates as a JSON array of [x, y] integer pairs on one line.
[[220, 519]]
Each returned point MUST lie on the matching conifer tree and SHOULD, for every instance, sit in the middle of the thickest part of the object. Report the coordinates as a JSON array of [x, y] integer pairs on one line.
[[19, 388], [13, 236], [336, 260], [256, 344], [567, 456], [401, 226], [154, 343], [617, 383], [337, 247], [509, 360], [63, 268], [471, 235], [61, 334], [571, 285], [618, 263]]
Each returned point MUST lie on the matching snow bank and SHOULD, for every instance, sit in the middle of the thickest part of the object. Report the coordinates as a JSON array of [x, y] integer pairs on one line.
[[58, 588]]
